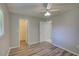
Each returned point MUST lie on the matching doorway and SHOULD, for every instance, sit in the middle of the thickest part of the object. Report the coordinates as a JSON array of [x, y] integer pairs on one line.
[[23, 33], [46, 31]]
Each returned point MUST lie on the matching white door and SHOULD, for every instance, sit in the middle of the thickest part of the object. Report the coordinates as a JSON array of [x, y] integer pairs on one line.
[[45, 31]]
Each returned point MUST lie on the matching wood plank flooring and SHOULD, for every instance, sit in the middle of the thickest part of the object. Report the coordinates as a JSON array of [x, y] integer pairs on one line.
[[39, 49]]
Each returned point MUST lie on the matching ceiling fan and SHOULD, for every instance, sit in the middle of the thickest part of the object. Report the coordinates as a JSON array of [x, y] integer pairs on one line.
[[48, 9]]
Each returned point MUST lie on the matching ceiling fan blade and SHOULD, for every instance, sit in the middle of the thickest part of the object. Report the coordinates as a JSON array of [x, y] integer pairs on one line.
[[52, 10], [49, 6], [43, 11], [45, 5]]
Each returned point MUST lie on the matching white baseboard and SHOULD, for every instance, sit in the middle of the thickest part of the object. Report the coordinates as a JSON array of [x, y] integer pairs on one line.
[[10, 49], [66, 49], [33, 43], [14, 47], [8, 52], [49, 40], [62, 48]]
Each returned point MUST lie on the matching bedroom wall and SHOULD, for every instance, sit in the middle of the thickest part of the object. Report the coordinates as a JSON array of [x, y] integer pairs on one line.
[[65, 28], [5, 39]]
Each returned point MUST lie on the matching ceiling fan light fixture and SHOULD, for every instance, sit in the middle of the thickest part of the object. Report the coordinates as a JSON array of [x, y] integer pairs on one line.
[[47, 14]]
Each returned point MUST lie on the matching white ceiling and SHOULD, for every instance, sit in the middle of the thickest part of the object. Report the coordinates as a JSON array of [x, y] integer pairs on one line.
[[36, 9]]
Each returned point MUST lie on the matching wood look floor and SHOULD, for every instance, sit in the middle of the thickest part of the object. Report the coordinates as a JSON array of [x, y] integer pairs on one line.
[[39, 49]]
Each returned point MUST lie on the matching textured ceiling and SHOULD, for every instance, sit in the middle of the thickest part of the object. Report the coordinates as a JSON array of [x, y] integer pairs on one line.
[[37, 9]]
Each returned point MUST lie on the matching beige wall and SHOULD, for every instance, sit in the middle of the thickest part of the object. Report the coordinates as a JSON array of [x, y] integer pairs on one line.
[[23, 27], [5, 39]]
